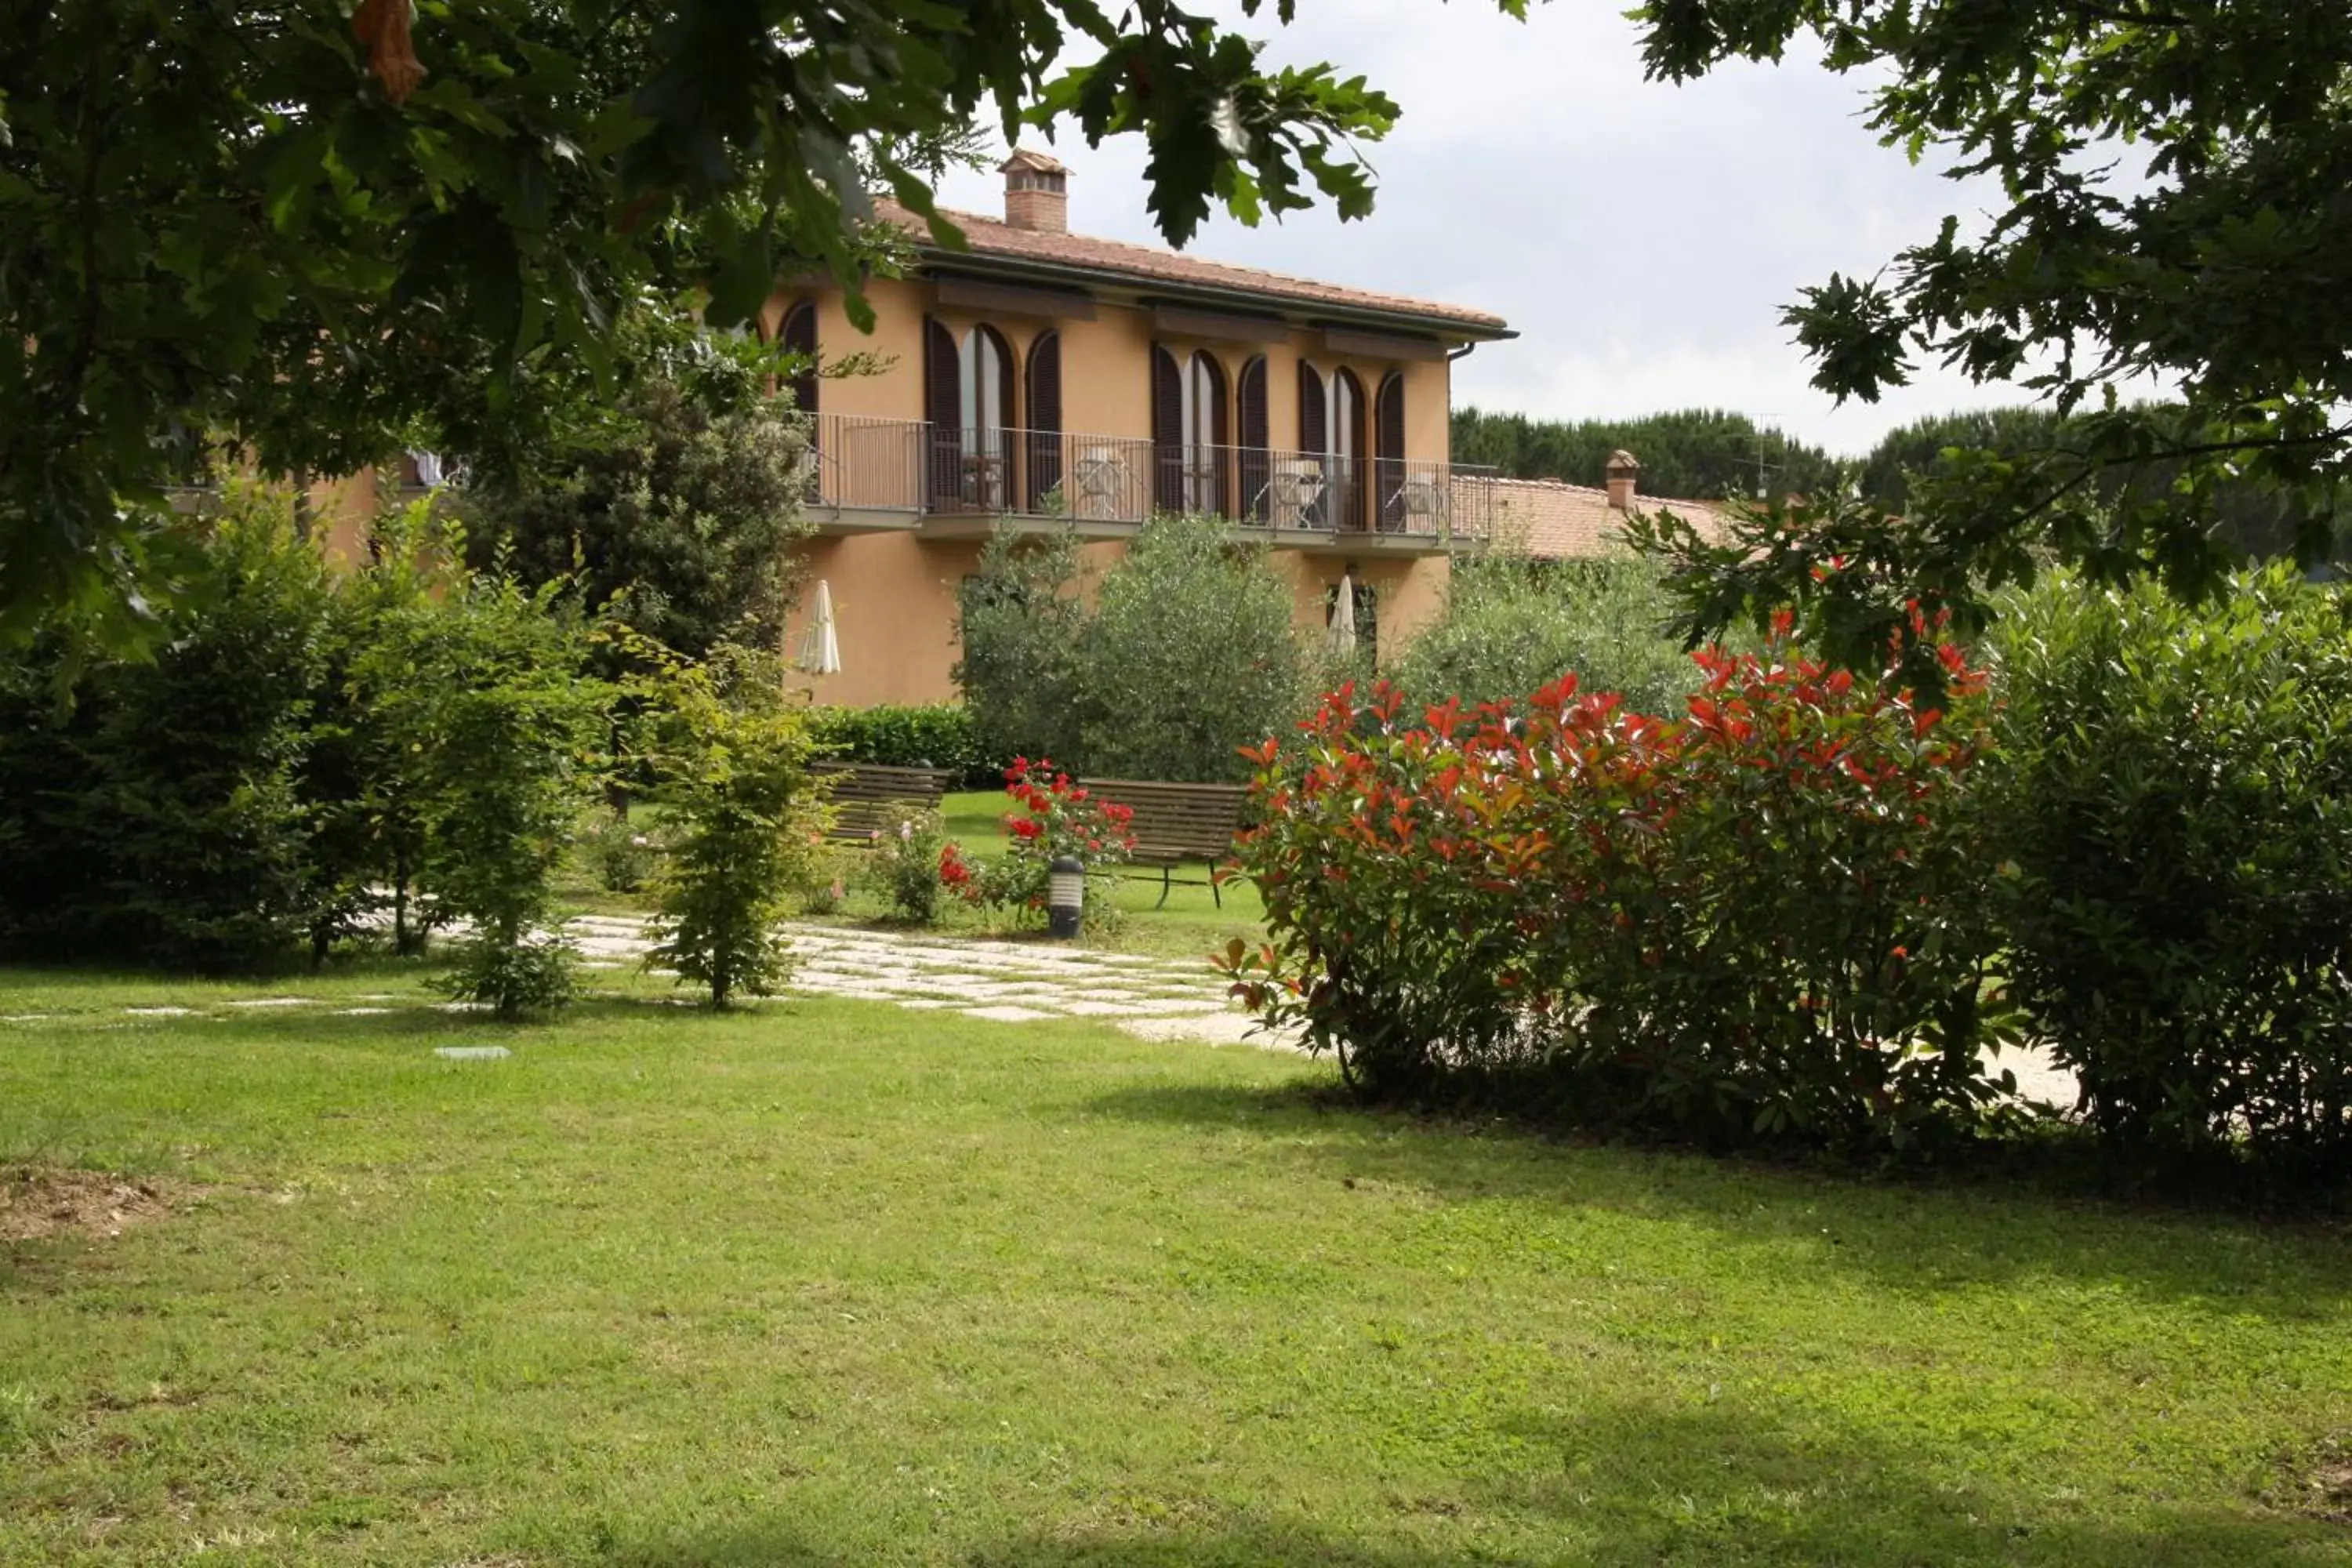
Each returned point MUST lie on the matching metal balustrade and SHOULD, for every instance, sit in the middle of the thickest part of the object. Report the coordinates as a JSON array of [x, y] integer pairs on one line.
[[914, 467], [867, 465]]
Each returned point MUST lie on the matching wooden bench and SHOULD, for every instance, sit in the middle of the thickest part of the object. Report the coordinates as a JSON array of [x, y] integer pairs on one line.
[[1177, 823], [869, 800]]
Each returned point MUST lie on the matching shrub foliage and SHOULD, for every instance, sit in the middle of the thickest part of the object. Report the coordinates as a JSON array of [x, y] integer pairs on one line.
[[302, 749], [1511, 626], [1189, 649], [483, 690], [154, 811], [2173, 790], [907, 735], [676, 510], [730, 758], [1759, 920]]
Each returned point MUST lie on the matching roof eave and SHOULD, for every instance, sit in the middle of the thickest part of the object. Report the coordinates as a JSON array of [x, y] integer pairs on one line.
[[1302, 313]]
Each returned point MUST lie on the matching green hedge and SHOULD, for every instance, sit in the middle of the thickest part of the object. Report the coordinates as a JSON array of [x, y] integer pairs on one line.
[[2171, 798], [901, 735]]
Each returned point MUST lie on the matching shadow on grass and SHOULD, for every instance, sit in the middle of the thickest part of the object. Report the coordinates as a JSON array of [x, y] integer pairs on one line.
[[1924, 1233], [1621, 1485]]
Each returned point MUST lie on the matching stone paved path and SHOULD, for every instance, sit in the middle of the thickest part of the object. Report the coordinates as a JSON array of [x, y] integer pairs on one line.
[[1002, 982]]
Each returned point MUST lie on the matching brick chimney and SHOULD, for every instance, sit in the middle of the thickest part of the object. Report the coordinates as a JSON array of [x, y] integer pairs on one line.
[[1622, 471], [1036, 192]]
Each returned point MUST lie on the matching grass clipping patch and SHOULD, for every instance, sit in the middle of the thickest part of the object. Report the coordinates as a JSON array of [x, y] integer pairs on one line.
[[39, 1202], [2320, 1486]]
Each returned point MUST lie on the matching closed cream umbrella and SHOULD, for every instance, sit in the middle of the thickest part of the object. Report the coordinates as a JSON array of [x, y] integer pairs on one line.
[[821, 648], [1343, 615]]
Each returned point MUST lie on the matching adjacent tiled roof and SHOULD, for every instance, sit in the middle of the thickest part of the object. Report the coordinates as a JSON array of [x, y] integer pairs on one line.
[[1551, 520], [991, 237]]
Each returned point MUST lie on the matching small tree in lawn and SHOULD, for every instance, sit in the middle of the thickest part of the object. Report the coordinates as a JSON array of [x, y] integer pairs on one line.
[[1020, 623], [1192, 651], [486, 690], [730, 762], [360, 783]]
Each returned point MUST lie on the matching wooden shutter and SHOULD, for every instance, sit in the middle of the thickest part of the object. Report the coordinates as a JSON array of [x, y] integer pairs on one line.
[[1220, 435], [1006, 408], [1314, 430], [799, 336], [1045, 455], [1167, 431], [943, 409], [1389, 451], [1249, 395]]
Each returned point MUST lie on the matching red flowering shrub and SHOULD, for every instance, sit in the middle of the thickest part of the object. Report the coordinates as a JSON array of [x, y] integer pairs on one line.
[[1058, 816], [1763, 918]]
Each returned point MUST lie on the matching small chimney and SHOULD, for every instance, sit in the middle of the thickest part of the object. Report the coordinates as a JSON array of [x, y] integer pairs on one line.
[[1036, 192], [1622, 471]]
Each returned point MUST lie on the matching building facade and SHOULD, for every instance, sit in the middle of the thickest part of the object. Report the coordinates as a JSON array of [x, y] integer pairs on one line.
[[1039, 379]]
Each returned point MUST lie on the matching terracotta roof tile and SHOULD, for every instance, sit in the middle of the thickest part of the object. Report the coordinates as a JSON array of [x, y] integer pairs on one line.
[[1551, 520], [991, 236]]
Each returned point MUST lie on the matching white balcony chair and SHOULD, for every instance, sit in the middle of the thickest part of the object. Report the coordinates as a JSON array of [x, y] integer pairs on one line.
[[1100, 482], [1418, 497], [1290, 493]]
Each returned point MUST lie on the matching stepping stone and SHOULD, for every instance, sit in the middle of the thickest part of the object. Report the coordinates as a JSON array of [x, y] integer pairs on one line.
[[920, 1004], [139, 1013], [1215, 1028], [24, 1018], [360, 1012], [274, 1001], [472, 1053], [1105, 1010], [1163, 1006], [1006, 1015]]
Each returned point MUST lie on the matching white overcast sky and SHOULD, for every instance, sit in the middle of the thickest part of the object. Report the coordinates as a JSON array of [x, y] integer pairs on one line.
[[1642, 238]]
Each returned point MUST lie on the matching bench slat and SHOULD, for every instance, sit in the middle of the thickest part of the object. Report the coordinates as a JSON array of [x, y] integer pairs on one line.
[[1175, 822], [867, 797]]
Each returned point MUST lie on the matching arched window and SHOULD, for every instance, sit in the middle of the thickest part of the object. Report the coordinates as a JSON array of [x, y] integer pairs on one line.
[[984, 410], [1204, 435], [1188, 433]]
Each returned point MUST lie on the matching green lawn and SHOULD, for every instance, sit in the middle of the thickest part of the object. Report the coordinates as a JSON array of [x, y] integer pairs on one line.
[[1193, 922], [832, 1283]]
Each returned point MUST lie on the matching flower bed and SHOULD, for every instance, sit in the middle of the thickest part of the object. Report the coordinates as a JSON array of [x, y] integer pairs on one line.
[[1058, 817]]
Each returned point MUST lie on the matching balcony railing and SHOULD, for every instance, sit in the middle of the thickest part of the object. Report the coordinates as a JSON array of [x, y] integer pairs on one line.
[[907, 466]]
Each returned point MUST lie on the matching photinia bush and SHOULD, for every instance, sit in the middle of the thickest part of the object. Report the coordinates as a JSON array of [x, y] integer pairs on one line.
[[1762, 918]]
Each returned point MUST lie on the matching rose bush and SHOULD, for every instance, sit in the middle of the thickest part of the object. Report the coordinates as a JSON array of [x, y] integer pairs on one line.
[[906, 865], [1762, 918], [1057, 817]]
